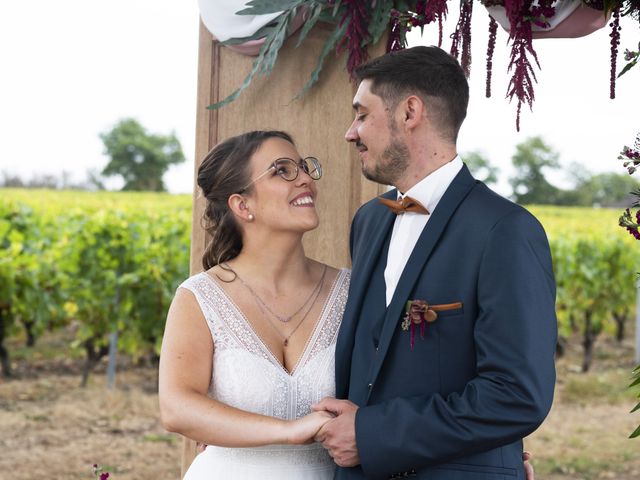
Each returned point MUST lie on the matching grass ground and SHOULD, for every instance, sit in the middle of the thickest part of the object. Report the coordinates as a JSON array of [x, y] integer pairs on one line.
[[586, 433], [50, 428]]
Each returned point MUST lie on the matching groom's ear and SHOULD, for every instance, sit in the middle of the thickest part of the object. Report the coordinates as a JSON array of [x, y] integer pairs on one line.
[[413, 112]]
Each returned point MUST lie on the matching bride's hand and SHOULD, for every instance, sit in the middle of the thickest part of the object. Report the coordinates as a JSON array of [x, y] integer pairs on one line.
[[302, 430]]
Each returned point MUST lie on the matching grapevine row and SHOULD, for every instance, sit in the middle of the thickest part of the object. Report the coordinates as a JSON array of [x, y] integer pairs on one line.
[[104, 263], [111, 264]]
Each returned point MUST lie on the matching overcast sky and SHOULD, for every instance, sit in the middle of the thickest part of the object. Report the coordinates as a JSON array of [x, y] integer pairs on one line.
[[72, 68]]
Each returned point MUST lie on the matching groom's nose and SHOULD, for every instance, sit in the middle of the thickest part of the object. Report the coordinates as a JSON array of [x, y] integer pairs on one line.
[[352, 133]]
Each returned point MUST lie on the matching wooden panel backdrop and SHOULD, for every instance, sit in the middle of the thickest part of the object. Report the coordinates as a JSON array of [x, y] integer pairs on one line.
[[317, 122]]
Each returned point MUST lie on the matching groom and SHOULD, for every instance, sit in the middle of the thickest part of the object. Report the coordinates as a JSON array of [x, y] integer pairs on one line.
[[445, 356]]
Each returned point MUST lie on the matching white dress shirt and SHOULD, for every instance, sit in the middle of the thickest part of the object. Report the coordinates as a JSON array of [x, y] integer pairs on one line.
[[408, 226]]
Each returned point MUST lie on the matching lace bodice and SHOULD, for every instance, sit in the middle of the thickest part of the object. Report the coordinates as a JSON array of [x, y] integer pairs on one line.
[[247, 375]]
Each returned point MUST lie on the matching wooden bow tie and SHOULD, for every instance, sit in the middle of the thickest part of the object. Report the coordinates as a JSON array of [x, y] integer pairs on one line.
[[406, 204]]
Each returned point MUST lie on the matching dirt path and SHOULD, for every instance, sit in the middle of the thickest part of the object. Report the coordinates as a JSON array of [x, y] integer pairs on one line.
[[585, 436], [586, 442], [52, 429]]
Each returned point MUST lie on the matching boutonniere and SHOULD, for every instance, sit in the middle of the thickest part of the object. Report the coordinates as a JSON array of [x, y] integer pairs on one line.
[[417, 314]]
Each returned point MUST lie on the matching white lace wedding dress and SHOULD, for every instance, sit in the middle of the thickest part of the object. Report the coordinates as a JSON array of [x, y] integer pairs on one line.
[[246, 375]]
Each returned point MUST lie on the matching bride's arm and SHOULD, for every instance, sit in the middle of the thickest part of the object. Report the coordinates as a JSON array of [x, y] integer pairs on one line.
[[185, 373]]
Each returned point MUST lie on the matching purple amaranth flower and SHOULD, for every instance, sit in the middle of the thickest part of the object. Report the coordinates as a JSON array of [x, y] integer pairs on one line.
[[523, 77], [631, 156], [97, 471], [461, 37], [627, 222], [541, 13], [493, 30], [634, 232], [630, 153], [357, 32], [615, 41], [417, 315], [435, 10], [396, 34]]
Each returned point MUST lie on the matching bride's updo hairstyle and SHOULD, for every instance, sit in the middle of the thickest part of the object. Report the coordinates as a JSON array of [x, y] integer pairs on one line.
[[225, 171]]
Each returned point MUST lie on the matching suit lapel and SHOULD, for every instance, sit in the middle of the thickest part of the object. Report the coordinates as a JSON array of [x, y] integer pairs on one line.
[[457, 191], [369, 248]]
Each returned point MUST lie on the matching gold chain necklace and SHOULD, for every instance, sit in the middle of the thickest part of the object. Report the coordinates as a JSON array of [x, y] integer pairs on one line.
[[263, 305], [285, 342]]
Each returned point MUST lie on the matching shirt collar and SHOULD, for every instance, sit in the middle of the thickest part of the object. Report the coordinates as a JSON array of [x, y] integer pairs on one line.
[[431, 188]]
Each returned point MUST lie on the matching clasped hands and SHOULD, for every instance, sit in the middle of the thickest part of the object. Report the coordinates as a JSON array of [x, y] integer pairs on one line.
[[335, 421], [332, 423]]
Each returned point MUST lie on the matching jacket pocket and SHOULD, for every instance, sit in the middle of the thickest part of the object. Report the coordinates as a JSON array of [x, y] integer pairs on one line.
[[447, 309], [484, 469]]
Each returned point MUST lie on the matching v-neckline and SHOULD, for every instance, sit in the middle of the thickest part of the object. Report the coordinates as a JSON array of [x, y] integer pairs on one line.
[[310, 341]]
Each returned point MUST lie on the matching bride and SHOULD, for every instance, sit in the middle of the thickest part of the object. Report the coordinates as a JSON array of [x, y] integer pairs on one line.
[[249, 343]]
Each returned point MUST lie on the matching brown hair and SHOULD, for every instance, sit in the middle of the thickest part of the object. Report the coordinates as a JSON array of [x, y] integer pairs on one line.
[[428, 72], [223, 172]]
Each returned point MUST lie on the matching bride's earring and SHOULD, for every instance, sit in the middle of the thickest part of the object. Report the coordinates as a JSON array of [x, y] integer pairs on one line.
[[250, 217]]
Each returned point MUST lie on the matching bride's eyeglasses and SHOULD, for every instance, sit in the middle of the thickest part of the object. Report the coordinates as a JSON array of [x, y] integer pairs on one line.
[[288, 170]]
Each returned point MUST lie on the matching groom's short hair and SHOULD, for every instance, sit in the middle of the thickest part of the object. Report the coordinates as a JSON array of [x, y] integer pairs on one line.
[[429, 72]]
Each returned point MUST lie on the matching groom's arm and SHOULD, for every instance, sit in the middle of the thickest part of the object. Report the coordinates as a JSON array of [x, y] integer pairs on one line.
[[514, 335]]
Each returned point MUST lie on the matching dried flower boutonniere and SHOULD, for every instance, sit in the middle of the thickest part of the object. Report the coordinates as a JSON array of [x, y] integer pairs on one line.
[[417, 313]]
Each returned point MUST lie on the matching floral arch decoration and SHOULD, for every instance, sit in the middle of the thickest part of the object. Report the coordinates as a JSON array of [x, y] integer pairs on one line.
[[259, 27]]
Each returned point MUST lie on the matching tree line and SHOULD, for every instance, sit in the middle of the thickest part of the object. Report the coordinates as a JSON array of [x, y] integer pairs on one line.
[[533, 162], [140, 159]]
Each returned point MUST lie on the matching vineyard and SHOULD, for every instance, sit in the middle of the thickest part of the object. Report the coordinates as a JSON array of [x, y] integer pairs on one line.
[[110, 263], [596, 264], [77, 268], [100, 263]]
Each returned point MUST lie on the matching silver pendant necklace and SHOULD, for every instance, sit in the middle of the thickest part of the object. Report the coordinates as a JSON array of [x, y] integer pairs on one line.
[[264, 306]]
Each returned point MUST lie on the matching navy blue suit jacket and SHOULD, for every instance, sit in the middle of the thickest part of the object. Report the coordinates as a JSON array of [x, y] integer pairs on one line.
[[458, 404]]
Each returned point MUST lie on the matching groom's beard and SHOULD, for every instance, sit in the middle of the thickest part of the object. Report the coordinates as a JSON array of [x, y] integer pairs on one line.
[[393, 162]]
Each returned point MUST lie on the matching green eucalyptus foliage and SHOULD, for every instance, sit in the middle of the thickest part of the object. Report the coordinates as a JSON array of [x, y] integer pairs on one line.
[[276, 32]]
